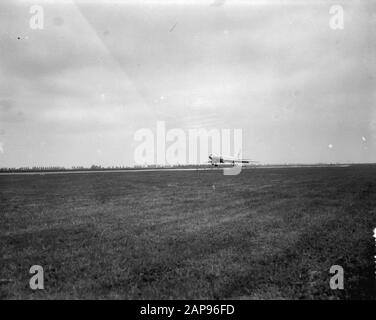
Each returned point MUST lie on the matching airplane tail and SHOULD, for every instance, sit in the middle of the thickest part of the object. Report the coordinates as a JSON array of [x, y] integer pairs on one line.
[[239, 154]]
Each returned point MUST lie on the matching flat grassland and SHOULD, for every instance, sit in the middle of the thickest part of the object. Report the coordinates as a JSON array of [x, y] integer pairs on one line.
[[264, 234]]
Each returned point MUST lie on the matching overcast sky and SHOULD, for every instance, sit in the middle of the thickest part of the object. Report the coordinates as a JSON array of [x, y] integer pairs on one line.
[[75, 92]]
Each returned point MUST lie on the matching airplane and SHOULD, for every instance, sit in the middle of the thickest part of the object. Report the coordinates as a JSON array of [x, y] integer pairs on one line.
[[219, 159]]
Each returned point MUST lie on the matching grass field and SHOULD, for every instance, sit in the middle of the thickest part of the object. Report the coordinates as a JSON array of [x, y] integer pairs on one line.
[[264, 234]]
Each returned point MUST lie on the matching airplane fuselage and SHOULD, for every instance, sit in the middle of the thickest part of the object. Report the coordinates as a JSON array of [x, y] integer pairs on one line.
[[219, 159]]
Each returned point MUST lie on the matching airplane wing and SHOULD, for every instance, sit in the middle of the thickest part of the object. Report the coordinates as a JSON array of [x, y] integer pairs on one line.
[[244, 161]]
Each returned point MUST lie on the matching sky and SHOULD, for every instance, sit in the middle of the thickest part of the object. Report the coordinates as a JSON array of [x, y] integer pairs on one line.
[[75, 92]]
